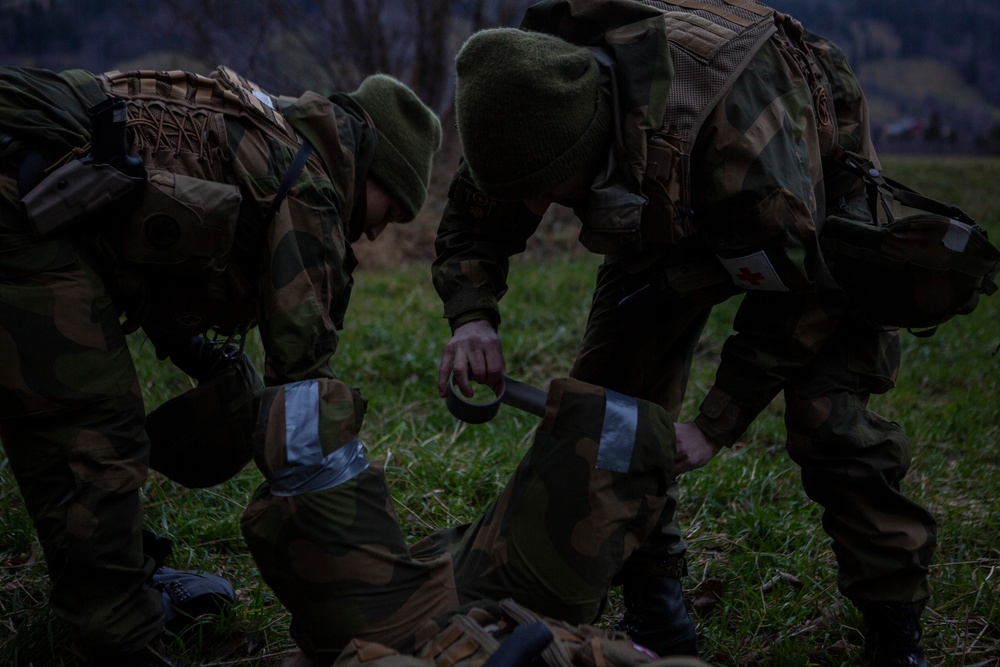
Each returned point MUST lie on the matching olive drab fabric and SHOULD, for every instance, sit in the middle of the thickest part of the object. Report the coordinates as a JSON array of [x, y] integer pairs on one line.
[[742, 214], [409, 134], [469, 639], [583, 498], [554, 102], [205, 436], [58, 102]]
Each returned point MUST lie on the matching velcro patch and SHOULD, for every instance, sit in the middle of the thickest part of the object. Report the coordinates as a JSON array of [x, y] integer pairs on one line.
[[957, 237]]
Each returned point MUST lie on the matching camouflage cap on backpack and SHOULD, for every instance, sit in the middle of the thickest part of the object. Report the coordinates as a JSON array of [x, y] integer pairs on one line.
[[913, 272], [916, 272]]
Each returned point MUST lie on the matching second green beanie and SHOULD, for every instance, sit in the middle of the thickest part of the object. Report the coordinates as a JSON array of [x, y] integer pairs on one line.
[[529, 109], [409, 134]]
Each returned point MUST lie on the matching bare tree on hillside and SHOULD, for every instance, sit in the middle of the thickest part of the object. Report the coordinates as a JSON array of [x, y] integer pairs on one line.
[[287, 45]]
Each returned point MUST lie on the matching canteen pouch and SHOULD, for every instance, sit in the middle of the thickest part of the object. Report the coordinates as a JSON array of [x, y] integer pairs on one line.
[[182, 227], [666, 218], [172, 253]]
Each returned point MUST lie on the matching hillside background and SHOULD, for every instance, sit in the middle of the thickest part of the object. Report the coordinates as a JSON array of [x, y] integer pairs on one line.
[[930, 68]]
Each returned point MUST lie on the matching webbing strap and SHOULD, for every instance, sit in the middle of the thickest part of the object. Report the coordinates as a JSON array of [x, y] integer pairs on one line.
[[750, 6], [555, 654], [713, 9], [913, 199], [876, 182], [289, 179]]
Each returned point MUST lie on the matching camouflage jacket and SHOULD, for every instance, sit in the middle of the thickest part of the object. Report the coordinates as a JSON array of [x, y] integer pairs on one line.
[[757, 189], [225, 143]]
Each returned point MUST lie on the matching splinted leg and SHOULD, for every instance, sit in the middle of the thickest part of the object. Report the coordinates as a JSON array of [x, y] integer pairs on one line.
[[585, 496], [324, 534]]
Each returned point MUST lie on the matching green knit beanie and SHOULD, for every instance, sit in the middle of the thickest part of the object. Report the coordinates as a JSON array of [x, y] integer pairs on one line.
[[529, 109], [409, 134]]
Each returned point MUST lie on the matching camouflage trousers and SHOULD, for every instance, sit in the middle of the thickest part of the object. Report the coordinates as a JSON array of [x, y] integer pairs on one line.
[[71, 423], [587, 493], [851, 459]]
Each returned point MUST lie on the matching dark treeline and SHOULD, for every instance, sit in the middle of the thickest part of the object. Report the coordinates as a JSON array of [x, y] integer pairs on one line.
[[289, 45]]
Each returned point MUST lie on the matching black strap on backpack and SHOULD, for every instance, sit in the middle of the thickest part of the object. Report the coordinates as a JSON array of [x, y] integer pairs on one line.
[[877, 183], [288, 180]]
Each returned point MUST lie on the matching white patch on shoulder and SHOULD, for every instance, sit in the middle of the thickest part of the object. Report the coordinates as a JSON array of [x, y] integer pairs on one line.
[[264, 98]]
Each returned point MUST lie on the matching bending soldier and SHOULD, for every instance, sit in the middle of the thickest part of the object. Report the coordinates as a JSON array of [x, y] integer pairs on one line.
[[696, 145], [186, 204]]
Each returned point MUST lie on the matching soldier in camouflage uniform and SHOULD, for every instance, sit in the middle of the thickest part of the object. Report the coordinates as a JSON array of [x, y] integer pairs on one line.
[[696, 142], [327, 540], [201, 241]]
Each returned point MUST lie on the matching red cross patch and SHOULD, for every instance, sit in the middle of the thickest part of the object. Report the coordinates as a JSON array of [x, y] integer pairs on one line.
[[754, 272]]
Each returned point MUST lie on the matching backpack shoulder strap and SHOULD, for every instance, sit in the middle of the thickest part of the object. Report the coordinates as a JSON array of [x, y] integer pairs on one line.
[[288, 180]]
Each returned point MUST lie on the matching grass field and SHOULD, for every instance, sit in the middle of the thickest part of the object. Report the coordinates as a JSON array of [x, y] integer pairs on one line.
[[762, 573]]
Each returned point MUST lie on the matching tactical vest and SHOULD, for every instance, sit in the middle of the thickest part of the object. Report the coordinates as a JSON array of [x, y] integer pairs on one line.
[[224, 91], [708, 45], [173, 253], [711, 43]]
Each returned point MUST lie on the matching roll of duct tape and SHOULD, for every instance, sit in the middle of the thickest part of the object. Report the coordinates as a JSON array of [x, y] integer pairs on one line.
[[510, 392]]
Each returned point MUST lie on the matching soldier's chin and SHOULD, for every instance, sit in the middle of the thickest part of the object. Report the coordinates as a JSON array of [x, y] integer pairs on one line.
[[355, 228], [578, 206]]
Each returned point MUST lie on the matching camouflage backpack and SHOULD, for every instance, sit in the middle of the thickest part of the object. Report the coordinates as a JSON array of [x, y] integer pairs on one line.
[[914, 272], [509, 635], [173, 254]]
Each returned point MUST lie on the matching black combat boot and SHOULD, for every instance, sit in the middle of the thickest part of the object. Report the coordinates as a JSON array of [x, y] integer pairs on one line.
[[188, 594], [655, 614], [892, 634]]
